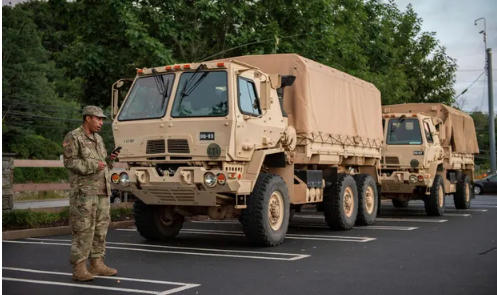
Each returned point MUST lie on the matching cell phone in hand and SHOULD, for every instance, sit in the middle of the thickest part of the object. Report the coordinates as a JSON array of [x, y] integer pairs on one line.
[[116, 149]]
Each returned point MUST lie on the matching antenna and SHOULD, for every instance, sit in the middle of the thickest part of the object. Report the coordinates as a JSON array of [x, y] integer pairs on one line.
[[256, 42]]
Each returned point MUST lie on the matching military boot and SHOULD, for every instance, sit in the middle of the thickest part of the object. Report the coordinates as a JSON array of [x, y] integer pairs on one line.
[[80, 273], [98, 268]]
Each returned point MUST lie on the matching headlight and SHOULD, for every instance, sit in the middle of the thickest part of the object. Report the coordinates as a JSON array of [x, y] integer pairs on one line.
[[210, 179], [115, 178], [124, 179], [413, 178]]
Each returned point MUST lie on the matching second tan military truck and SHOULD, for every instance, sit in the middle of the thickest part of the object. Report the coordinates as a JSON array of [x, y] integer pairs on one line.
[[429, 153], [249, 137]]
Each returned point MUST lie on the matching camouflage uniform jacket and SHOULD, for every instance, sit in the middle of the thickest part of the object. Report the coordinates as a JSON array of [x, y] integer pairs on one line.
[[81, 156]]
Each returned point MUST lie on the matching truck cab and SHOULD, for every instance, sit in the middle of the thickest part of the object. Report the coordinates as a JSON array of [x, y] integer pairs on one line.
[[194, 137], [416, 165]]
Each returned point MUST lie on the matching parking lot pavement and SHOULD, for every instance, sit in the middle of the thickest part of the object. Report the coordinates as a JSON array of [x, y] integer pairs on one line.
[[405, 252]]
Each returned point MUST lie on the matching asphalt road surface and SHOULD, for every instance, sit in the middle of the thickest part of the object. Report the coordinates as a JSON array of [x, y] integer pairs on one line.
[[405, 252]]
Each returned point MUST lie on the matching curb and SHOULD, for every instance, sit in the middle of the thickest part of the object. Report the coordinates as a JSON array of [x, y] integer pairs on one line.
[[55, 231]]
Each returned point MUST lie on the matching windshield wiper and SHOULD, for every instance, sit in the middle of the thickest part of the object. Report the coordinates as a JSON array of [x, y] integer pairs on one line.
[[400, 121], [163, 87], [189, 81]]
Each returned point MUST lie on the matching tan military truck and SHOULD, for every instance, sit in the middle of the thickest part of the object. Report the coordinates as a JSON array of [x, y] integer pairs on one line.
[[253, 137], [429, 153]]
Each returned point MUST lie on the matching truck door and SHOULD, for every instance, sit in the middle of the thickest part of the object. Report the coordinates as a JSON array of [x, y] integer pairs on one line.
[[250, 128]]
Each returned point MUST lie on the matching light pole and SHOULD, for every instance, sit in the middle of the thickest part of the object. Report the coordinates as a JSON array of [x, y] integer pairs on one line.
[[491, 120]]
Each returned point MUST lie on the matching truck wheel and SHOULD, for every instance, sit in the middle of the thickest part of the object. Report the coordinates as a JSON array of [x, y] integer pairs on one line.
[[155, 222], [400, 204], [368, 199], [265, 220], [462, 197], [435, 202], [340, 203]]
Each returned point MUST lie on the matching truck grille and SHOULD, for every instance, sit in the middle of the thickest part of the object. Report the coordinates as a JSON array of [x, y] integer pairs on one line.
[[178, 146], [156, 146], [392, 160], [174, 195]]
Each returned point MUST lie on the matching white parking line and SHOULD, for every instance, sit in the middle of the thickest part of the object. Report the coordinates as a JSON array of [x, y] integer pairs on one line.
[[386, 219], [407, 213], [446, 210], [370, 227], [216, 221], [183, 286], [411, 220], [328, 238], [215, 252], [473, 207], [288, 236]]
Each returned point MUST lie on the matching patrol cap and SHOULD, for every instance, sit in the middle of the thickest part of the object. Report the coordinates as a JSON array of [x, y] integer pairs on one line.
[[94, 111]]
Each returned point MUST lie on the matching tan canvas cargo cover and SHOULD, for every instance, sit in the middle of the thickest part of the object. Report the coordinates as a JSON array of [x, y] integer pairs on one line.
[[323, 100], [459, 126]]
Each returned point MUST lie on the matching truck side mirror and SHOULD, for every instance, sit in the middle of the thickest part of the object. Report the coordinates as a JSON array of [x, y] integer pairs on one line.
[[285, 81], [441, 132], [265, 96], [115, 96]]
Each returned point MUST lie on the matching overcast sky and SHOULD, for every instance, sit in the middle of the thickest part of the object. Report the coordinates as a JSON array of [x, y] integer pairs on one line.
[[453, 21]]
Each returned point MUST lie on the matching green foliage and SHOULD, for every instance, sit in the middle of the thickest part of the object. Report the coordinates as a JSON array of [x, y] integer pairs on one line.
[[31, 146], [40, 175], [119, 213], [483, 136], [60, 55], [24, 219], [31, 219]]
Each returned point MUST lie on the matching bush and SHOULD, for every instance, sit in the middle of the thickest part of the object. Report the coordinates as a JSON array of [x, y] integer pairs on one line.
[[25, 219]]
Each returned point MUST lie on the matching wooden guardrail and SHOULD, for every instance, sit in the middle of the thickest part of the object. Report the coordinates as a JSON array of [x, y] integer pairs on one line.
[[45, 186]]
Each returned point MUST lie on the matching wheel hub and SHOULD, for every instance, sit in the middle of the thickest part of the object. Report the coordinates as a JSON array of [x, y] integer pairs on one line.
[[348, 201], [167, 216], [369, 200], [275, 211], [467, 192]]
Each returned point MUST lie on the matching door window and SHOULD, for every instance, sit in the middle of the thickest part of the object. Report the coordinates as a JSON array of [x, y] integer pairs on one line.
[[247, 97], [429, 137]]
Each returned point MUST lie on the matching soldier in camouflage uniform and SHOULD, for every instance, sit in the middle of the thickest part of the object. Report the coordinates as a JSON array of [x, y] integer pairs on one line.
[[86, 159]]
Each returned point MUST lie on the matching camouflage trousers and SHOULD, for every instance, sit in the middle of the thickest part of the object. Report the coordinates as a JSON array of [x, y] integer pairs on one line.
[[89, 218]]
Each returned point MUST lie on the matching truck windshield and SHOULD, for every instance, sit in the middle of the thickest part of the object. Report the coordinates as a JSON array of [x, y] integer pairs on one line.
[[205, 96], [145, 100], [405, 132]]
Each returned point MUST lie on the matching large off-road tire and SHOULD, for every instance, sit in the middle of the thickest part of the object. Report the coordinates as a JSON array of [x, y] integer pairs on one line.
[[265, 221], [462, 197], [156, 222], [400, 204], [435, 202], [340, 203], [367, 199]]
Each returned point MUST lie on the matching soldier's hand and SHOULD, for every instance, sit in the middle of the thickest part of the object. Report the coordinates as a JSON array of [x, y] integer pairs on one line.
[[101, 165], [114, 155]]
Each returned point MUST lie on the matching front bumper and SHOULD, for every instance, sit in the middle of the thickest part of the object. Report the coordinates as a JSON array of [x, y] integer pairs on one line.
[[401, 182], [185, 187]]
